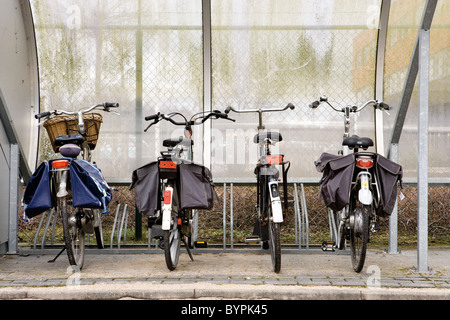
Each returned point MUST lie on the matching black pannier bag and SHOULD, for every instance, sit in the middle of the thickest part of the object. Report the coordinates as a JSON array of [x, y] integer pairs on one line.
[[336, 179], [145, 181], [196, 187], [388, 175]]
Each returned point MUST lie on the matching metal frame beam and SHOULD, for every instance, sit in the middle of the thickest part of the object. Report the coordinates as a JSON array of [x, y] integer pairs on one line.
[[379, 73], [413, 69], [419, 65]]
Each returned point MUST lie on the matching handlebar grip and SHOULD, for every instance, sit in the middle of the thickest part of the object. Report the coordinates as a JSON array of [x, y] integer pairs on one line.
[[111, 104], [227, 110], [43, 114], [152, 117], [291, 106], [314, 104], [385, 106]]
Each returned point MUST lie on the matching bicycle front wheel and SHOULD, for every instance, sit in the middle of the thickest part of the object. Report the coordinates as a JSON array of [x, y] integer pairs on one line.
[[73, 236], [275, 245], [172, 240], [359, 236]]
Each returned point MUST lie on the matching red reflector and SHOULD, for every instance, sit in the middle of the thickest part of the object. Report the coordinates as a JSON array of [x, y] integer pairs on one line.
[[364, 163], [59, 164], [167, 165], [274, 159], [167, 197], [179, 222]]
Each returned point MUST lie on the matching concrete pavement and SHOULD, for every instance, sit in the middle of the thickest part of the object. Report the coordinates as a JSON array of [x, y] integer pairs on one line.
[[308, 274]]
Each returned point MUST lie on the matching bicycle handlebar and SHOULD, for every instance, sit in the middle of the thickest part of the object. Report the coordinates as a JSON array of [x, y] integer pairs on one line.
[[106, 106], [187, 123], [230, 108], [259, 111], [377, 105]]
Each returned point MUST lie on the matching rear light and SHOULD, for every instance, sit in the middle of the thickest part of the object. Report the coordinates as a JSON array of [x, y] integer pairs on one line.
[[59, 164], [274, 159], [167, 165], [364, 163]]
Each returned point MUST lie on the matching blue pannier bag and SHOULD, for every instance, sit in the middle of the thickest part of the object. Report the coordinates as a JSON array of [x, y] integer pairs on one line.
[[89, 188], [37, 197]]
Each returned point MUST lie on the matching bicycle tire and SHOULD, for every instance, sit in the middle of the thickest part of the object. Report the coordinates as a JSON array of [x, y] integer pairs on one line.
[[275, 245], [358, 240], [74, 237], [172, 241]]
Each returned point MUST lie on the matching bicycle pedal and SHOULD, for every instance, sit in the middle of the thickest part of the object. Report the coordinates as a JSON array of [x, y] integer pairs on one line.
[[328, 245], [253, 239], [200, 244]]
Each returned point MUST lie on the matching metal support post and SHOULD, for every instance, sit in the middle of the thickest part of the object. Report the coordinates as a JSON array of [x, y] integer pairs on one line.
[[13, 199], [422, 161], [207, 82]]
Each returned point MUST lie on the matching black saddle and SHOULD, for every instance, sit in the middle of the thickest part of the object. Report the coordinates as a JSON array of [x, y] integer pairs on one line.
[[75, 138], [172, 142], [358, 142], [261, 137]]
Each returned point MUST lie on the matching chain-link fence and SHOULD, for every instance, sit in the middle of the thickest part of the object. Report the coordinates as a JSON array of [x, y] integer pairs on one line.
[[211, 224]]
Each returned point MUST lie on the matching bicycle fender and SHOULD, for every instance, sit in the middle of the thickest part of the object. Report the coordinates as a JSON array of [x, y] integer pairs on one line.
[[364, 194], [167, 208], [277, 211]]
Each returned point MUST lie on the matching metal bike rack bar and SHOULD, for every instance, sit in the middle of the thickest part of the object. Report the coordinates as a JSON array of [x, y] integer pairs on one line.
[[119, 220], [305, 224]]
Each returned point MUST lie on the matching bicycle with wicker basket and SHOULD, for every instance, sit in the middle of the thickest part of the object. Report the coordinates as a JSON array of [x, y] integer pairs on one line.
[[74, 187]]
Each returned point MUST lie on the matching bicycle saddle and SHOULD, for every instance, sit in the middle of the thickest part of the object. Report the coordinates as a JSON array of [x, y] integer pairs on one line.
[[261, 137], [75, 138], [172, 142], [357, 142]]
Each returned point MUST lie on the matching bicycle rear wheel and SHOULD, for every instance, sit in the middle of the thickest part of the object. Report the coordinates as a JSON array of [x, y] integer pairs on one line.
[[359, 236], [172, 241], [74, 237]]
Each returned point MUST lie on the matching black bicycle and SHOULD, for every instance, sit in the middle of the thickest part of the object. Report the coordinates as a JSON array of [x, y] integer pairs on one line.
[[356, 187], [269, 209], [183, 187]]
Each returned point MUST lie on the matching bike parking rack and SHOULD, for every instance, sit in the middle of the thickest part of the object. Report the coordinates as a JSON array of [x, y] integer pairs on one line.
[[120, 225]]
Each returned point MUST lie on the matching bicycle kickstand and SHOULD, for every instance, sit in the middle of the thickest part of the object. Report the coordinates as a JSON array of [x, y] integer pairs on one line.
[[54, 259], [188, 250]]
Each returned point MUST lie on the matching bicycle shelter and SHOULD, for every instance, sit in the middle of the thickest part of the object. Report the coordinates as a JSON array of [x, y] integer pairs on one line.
[[211, 54]]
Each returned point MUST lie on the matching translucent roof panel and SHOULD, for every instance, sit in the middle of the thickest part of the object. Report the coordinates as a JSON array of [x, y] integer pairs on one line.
[[146, 55], [269, 53], [149, 56], [404, 22]]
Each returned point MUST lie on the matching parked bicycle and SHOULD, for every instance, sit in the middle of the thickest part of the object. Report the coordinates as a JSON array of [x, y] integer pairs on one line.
[[75, 188], [172, 189], [268, 204], [356, 187]]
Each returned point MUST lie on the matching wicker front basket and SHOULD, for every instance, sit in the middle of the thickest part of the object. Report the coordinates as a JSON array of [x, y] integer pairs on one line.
[[68, 124]]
